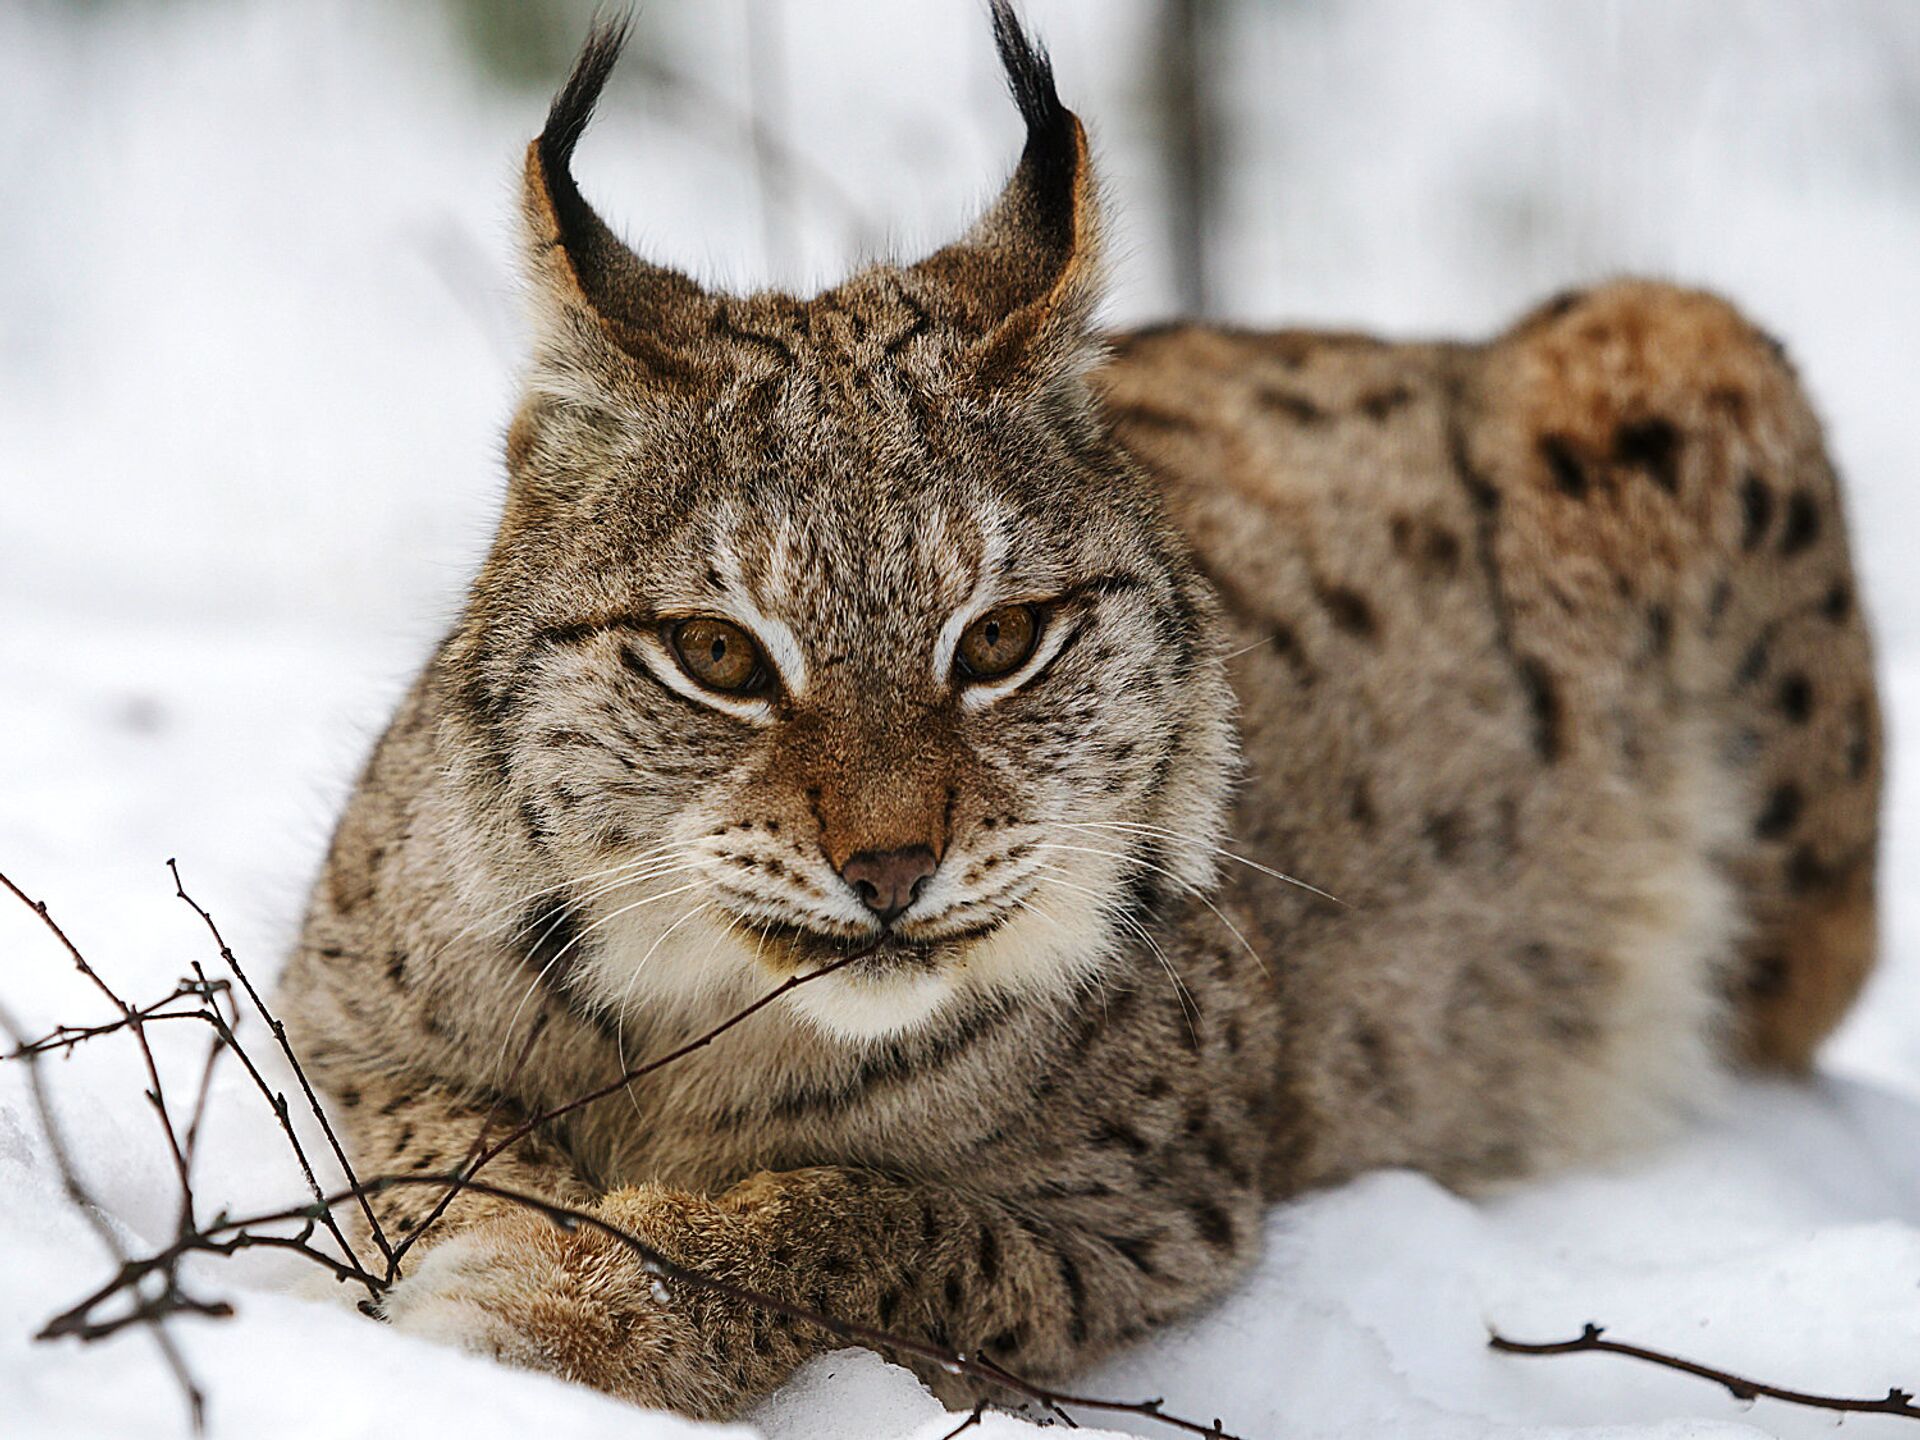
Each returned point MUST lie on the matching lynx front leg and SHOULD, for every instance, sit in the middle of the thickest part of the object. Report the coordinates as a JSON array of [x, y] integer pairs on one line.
[[395, 1128], [1031, 1292]]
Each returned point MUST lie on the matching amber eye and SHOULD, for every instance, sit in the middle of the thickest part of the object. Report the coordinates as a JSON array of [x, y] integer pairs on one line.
[[720, 655], [999, 642]]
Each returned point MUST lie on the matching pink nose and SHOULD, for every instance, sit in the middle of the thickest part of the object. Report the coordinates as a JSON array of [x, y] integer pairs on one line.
[[888, 881]]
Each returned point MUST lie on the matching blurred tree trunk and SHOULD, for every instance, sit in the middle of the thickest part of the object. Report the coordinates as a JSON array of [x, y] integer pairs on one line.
[[1189, 143]]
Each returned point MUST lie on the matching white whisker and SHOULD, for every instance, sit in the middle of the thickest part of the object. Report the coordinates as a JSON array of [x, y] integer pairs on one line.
[[1198, 842], [1185, 885], [1188, 1007]]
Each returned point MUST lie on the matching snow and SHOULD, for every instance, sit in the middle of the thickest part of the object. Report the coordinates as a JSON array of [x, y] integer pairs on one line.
[[256, 349]]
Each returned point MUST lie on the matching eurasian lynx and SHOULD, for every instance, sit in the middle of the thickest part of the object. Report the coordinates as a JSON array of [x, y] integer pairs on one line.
[[918, 618]]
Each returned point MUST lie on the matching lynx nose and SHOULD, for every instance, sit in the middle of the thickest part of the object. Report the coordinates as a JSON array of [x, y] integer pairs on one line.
[[888, 881]]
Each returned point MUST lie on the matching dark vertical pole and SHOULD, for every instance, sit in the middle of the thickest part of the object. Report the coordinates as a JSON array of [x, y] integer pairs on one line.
[[1187, 144], [766, 89]]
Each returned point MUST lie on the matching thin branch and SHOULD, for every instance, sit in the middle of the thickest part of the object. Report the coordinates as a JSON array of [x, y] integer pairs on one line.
[[133, 1019], [973, 1419], [88, 1207], [614, 1087], [279, 1032], [658, 1265], [65, 1037], [277, 1103], [1894, 1402], [150, 1306]]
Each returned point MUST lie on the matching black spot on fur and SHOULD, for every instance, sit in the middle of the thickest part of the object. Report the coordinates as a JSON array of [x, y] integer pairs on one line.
[[1756, 511], [1433, 550], [1659, 631], [1838, 604], [725, 327], [1859, 739], [1717, 601], [1753, 664], [1285, 641], [1137, 1249], [1729, 401], [1349, 611], [1781, 812], [1796, 697], [1654, 446], [1292, 404], [987, 1257], [1767, 976], [1149, 416], [1212, 1224], [1443, 833], [1543, 699], [1109, 1132], [1562, 465], [1360, 805], [553, 938], [1559, 305], [1802, 526], [1076, 1288], [1379, 404]]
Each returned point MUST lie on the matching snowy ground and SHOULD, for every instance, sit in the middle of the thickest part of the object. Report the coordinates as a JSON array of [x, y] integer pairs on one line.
[[256, 344]]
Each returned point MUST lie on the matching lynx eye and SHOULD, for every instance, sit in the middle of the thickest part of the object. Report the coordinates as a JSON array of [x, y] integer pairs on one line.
[[999, 642], [719, 654]]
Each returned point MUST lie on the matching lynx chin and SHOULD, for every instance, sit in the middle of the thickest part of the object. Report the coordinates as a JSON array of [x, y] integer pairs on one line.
[[920, 620]]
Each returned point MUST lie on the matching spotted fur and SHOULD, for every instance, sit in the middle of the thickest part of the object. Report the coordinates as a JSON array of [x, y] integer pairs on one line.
[[1544, 656]]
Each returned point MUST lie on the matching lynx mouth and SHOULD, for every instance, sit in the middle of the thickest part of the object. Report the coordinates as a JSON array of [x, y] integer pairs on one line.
[[884, 953]]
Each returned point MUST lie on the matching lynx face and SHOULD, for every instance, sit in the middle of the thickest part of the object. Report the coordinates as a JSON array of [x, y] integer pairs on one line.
[[839, 625]]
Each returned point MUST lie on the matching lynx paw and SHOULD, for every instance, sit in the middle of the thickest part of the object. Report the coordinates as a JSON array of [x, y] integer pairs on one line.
[[480, 1291], [573, 1304]]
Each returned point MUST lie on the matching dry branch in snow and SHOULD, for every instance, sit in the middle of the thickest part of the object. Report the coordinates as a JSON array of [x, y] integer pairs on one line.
[[147, 1290], [1590, 1342]]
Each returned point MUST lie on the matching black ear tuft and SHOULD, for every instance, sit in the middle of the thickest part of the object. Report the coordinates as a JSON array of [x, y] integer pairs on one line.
[[1030, 78], [572, 108]]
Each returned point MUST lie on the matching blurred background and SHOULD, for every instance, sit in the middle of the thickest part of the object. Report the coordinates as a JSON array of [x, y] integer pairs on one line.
[[259, 329]]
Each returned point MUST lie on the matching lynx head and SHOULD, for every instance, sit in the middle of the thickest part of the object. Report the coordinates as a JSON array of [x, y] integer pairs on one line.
[[839, 624]]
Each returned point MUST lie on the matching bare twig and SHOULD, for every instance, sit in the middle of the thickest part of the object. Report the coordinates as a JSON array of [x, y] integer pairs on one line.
[[1590, 1341], [279, 1032], [658, 1265], [612, 1087], [65, 1037], [90, 1210], [132, 1020], [973, 1419], [146, 1291]]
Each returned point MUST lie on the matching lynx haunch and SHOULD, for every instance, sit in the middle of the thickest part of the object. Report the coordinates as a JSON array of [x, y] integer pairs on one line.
[[919, 619]]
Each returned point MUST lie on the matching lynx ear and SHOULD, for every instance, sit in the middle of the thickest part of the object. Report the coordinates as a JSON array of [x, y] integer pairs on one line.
[[586, 279], [1026, 278]]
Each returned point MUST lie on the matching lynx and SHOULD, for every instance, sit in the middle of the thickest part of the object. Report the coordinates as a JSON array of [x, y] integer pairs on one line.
[[1236, 760]]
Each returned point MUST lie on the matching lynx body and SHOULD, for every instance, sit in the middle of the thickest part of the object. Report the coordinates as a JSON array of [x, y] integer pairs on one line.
[[918, 622]]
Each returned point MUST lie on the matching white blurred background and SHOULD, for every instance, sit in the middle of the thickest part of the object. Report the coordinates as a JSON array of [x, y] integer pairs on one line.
[[258, 317], [258, 321], [258, 337]]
